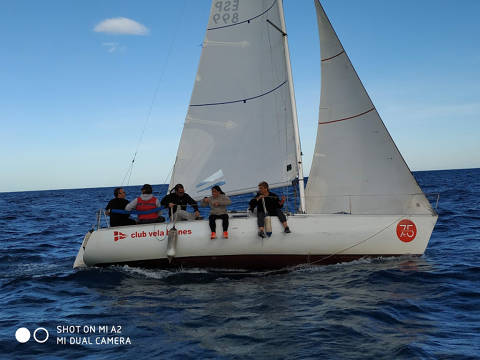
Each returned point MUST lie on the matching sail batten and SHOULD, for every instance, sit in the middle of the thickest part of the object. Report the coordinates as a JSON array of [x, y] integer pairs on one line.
[[354, 153]]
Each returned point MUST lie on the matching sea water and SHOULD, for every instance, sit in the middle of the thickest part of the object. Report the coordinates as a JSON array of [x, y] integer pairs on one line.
[[384, 308]]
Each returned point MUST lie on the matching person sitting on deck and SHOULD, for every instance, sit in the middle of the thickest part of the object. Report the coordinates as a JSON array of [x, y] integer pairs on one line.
[[179, 198], [218, 203], [269, 201], [119, 203], [146, 202]]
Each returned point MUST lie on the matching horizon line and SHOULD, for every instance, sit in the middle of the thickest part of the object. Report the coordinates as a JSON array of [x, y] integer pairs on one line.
[[114, 186]]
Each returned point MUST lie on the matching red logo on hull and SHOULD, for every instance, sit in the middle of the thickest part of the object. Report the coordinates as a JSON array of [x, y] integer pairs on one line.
[[406, 230], [117, 235]]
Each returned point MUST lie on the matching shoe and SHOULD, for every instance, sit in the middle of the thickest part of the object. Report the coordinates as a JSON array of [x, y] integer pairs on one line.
[[213, 236], [225, 234], [287, 230], [262, 234]]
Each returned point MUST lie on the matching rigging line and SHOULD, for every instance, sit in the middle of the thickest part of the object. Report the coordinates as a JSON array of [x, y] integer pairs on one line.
[[347, 118], [130, 175], [358, 243], [158, 238], [242, 22], [304, 266], [241, 100], [157, 88], [366, 195], [169, 174], [126, 173]]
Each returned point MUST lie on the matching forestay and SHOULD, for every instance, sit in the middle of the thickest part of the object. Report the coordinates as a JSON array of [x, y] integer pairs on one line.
[[239, 127], [356, 166]]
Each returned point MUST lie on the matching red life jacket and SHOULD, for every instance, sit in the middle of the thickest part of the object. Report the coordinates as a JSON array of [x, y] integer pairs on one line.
[[145, 205]]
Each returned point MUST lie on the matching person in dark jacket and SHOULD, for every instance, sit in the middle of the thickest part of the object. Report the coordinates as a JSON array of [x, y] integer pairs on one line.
[[269, 201], [177, 202], [119, 202]]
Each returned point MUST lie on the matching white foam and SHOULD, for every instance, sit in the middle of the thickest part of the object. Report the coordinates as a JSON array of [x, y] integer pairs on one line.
[[159, 273]]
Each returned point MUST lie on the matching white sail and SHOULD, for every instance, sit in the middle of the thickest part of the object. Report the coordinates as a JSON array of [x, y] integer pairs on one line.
[[239, 126], [356, 166]]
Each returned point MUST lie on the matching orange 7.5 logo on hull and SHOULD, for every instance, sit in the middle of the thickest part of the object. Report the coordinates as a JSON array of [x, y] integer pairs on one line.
[[117, 235]]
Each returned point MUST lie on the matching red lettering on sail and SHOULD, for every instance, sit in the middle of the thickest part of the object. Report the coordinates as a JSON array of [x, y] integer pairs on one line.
[[406, 230]]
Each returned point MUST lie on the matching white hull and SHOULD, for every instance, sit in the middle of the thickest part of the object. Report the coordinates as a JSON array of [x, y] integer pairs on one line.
[[315, 239]]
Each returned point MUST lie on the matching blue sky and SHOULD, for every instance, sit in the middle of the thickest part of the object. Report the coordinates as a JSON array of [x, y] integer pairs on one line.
[[74, 101]]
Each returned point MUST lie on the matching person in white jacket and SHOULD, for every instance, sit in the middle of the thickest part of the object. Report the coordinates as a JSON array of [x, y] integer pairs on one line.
[[218, 203]]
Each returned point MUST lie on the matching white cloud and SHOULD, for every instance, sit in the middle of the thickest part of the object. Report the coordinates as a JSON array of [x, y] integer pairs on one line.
[[121, 26]]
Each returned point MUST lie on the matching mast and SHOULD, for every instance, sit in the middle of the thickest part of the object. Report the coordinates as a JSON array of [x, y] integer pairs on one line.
[[294, 111]]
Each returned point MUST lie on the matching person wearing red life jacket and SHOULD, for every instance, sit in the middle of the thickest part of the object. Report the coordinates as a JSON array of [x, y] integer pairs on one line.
[[146, 202]]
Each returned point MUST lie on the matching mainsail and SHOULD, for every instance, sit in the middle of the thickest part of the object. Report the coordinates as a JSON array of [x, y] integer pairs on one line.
[[356, 166], [239, 127]]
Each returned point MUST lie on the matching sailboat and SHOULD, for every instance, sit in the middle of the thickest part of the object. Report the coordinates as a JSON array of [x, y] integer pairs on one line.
[[241, 128]]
